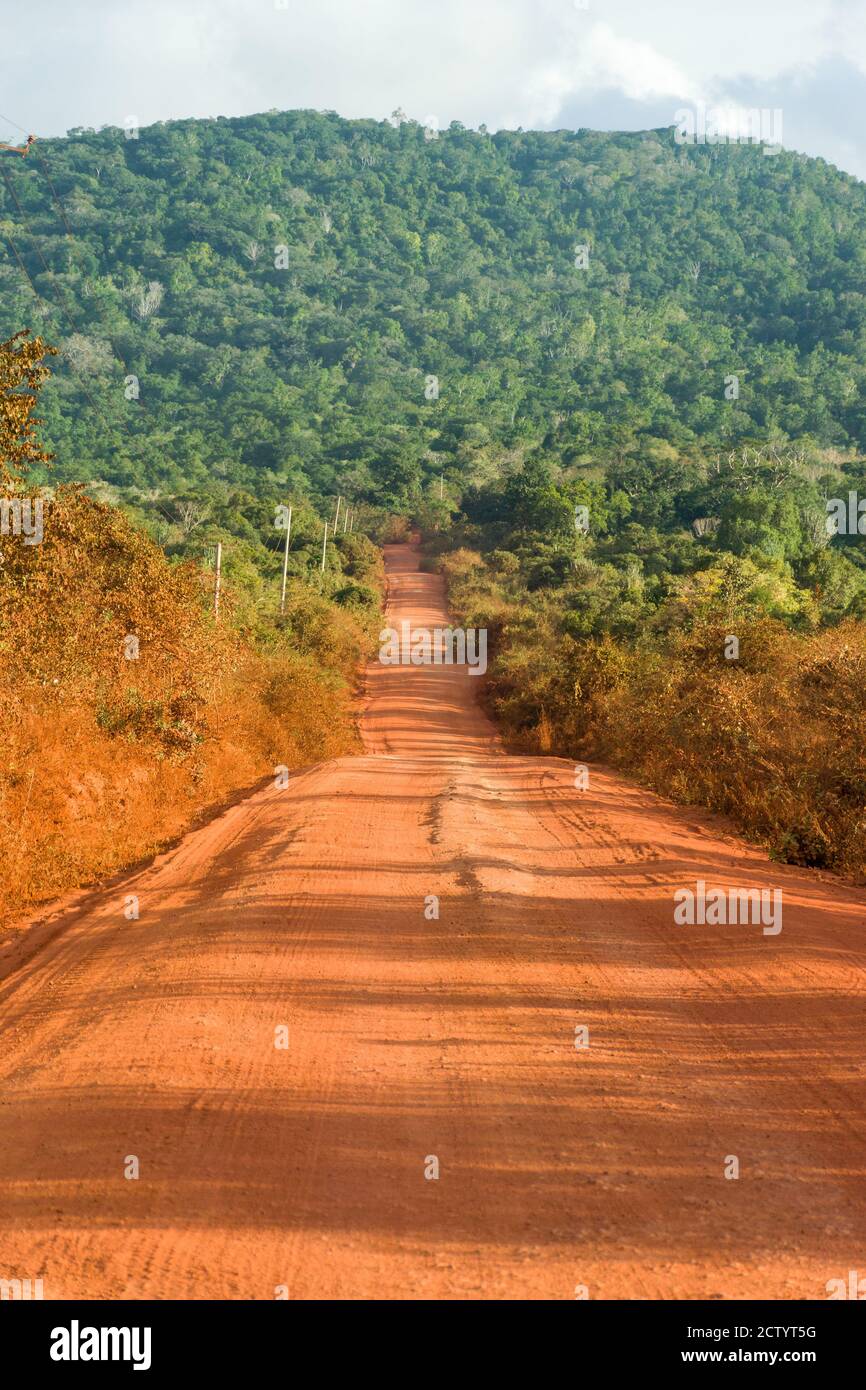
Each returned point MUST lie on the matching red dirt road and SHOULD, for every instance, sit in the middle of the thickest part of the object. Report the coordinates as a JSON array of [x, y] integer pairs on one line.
[[408, 1038]]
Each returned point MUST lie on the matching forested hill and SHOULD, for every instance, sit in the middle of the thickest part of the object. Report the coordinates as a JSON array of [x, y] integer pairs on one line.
[[286, 287]]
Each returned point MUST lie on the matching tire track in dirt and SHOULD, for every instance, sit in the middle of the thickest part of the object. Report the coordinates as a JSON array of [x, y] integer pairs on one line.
[[414, 1035]]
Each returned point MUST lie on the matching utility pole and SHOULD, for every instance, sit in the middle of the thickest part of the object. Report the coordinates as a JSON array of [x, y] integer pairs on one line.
[[324, 547], [345, 520], [218, 567], [441, 483], [336, 517], [286, 561], [352, 522]]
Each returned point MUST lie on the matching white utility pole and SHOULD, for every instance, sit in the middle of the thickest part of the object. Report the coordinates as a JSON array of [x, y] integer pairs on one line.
[[324, 547], [286, 561], [218, 567], [336, 517], [441, 485]]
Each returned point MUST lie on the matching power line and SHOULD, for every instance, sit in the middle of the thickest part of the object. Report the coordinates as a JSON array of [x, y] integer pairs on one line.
[[15, 123], [57, 202]]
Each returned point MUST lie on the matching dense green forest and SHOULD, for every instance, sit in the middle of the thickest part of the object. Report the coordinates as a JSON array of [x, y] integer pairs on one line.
[[285, 287]]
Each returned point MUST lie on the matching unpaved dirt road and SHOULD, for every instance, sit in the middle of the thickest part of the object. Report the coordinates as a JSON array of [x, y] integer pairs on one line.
[[409, 1038]]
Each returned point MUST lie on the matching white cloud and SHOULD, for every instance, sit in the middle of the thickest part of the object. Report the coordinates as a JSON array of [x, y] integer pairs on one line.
[[849, 31], [600, 59]]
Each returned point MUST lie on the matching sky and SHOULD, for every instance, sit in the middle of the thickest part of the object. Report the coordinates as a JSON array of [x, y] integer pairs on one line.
[[539, 64]]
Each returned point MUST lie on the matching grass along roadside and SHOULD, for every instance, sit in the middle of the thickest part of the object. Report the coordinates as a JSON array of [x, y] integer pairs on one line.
[[773, 738]]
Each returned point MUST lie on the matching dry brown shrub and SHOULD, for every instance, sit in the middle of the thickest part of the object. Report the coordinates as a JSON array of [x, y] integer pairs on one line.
[[105, 758]]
